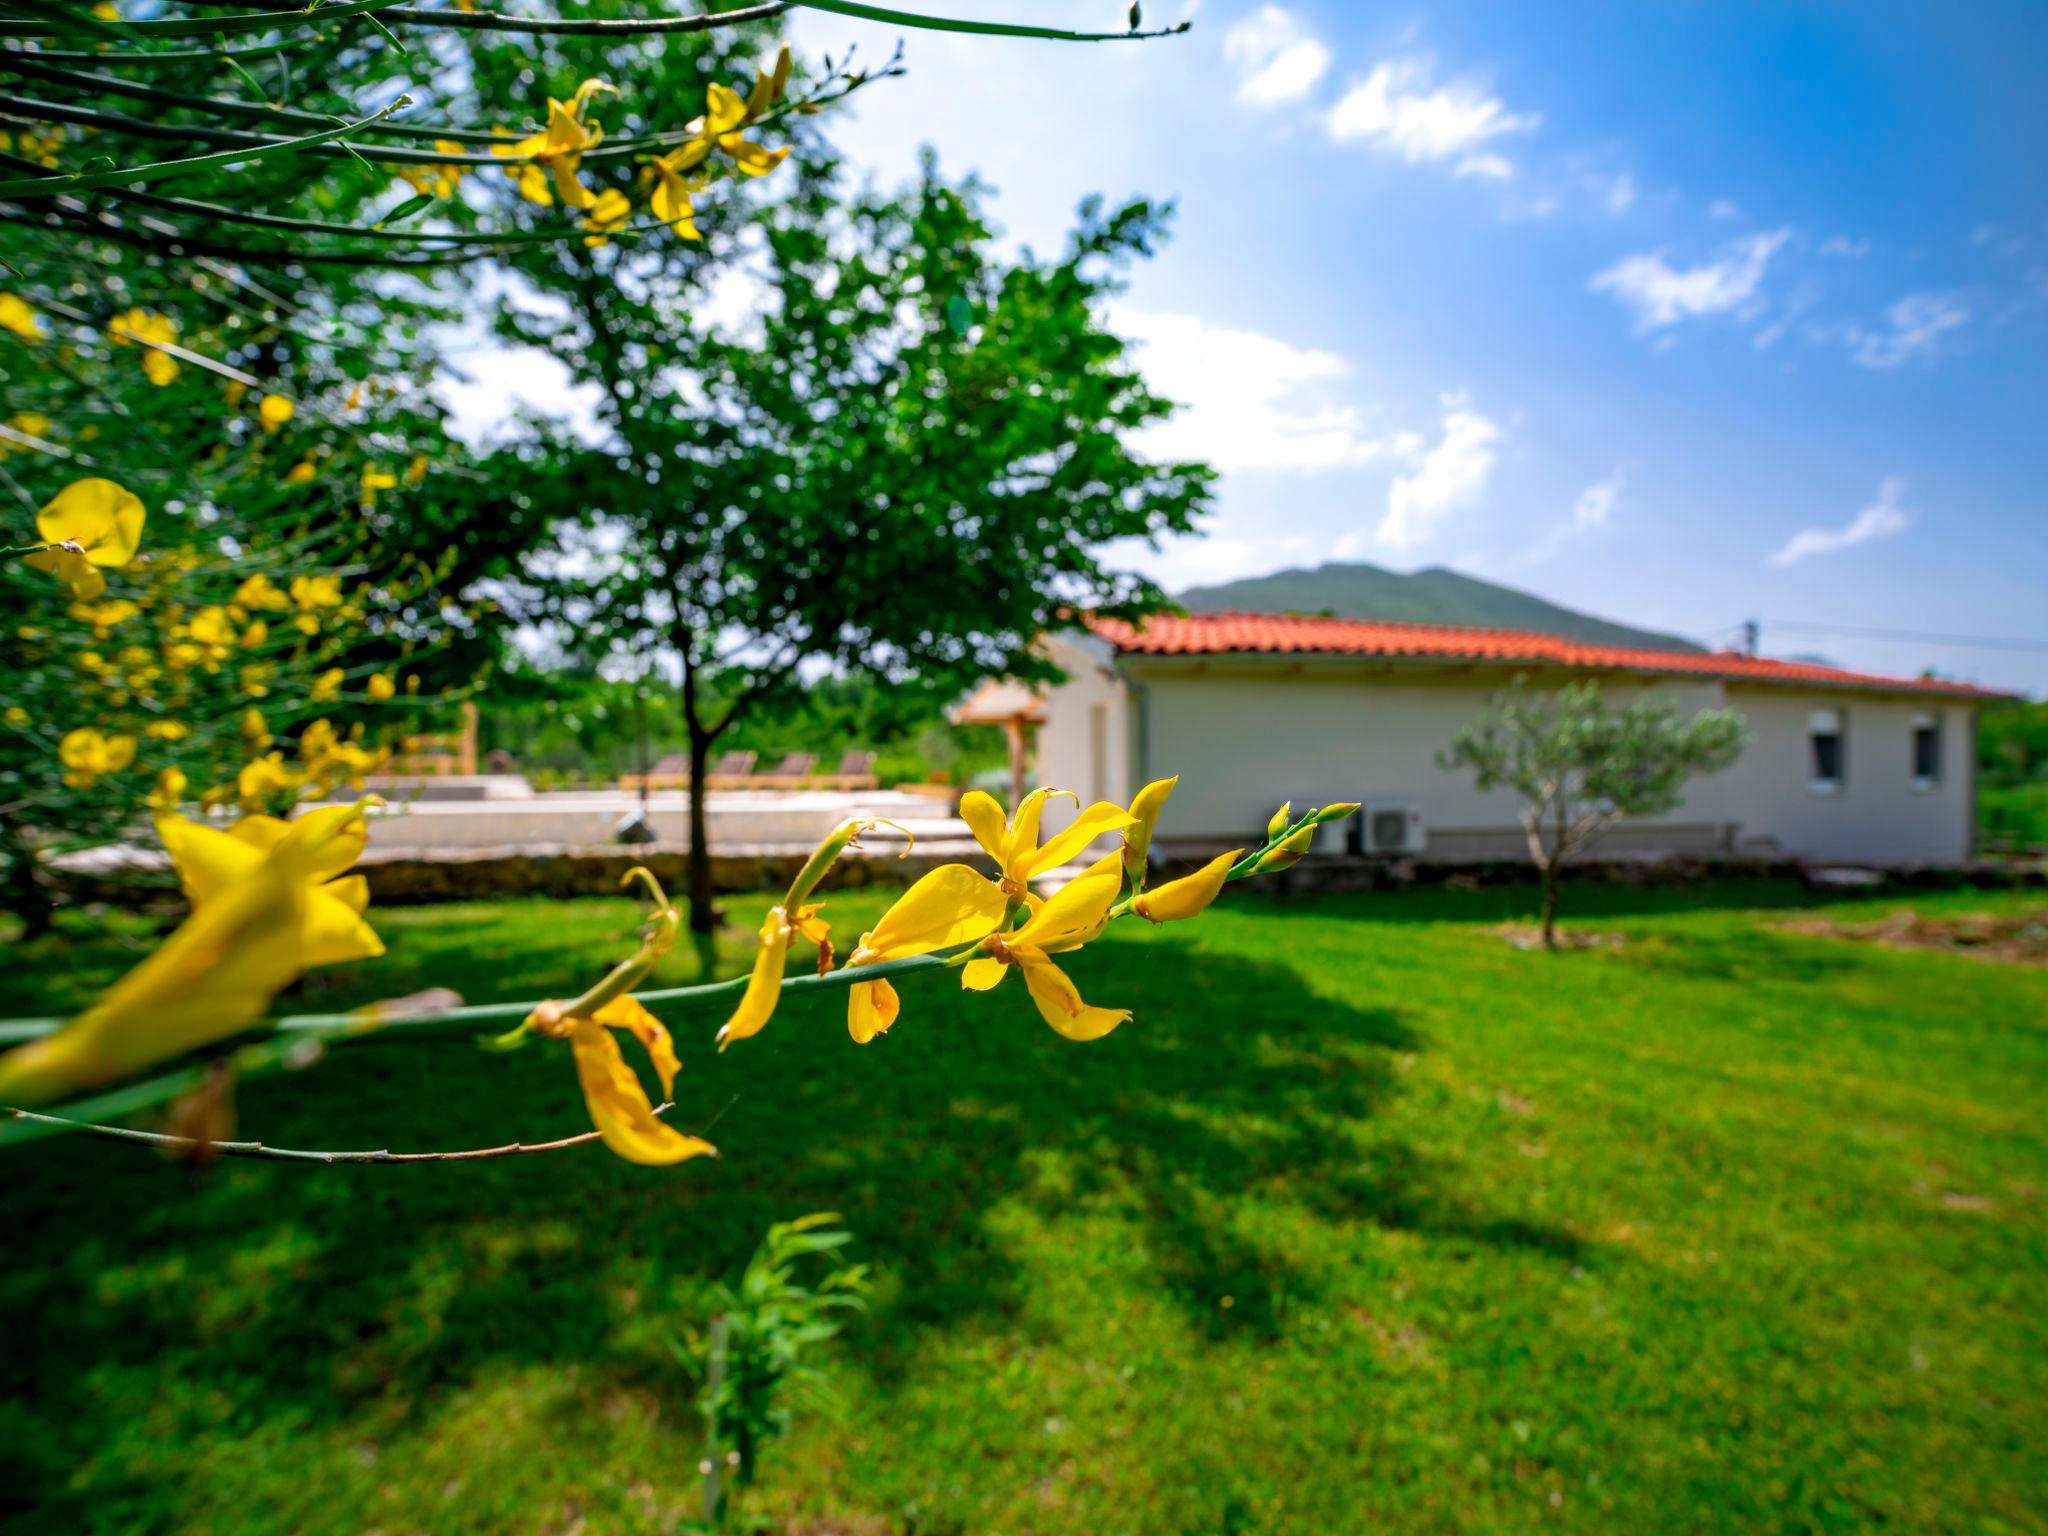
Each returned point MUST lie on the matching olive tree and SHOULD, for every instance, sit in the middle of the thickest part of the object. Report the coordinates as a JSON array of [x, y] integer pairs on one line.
[[1579, 765]]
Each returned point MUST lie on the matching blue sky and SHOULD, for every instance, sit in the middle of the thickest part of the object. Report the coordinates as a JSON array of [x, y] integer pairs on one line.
[[1680, 313]]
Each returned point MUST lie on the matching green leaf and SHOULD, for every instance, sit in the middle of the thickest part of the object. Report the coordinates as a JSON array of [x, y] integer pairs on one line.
[[407, 209], [960, 316]]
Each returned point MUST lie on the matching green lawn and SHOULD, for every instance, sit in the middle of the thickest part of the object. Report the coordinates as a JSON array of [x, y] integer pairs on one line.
[[1367, 1222]]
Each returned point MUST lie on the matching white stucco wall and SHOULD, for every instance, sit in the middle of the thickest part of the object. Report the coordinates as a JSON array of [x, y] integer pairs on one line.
[[1246, 733]]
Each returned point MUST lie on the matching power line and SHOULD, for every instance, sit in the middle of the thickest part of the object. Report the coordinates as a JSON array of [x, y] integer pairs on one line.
[[1918, 637]]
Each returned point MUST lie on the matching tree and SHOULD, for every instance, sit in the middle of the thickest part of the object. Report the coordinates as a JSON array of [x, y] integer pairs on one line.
[[1581, 765], [903, 459]]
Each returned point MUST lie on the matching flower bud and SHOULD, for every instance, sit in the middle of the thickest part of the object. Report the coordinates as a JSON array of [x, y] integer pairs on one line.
[[1288, 854], [1189, 895]]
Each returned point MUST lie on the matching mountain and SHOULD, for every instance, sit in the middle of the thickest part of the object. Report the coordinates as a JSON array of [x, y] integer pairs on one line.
[[1432, 596]]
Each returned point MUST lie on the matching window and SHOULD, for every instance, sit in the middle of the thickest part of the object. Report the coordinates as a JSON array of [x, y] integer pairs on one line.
[[1926, 751], [1827, 755]]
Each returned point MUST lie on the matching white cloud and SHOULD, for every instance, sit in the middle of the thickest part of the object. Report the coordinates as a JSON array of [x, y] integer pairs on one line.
[[1723, 210], [1621, 193], [1396, 109], [1276, 61], [1912, 331], [1491, 167], [1248, 401], [1880, 520], [1597, 501], [1843, 247], [1451, 478], [1662, 295]]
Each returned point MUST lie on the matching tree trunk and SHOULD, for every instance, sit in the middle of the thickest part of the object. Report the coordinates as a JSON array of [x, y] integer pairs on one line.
[[1551, 875], [697, 887]]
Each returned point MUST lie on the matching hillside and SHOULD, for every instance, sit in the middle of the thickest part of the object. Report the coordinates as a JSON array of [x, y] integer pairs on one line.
[[1433, 596]]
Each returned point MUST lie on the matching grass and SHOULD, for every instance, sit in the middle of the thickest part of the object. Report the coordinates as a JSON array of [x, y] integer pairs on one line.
[[1368, 1221]]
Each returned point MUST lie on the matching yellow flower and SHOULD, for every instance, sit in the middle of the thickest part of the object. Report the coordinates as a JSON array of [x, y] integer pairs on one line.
[[167, 730], [559, 147], [32, 424], [266, 905], [1145, 808], [612, 1092], [255, 633], [106, 10], [211, 626], [263, 779], [299, 473], [380, 687], [673, 200], [90, 524], [441, 180], [16, 316], [151, 331], [1015, 846], [375, 480], [169, 791], [327, 685], [952, 905], [235, 391], [1289, 852], [416, 471], [259, 591], [86, 754], [1073, 916], [255, 729], [764, 984], [725, 113], [15, 716], [607, 215], [1188, 895], [274, 411], [104, 616]]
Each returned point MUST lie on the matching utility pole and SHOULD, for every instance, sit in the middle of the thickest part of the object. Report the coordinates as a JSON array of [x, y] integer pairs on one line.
[[1752, 633]]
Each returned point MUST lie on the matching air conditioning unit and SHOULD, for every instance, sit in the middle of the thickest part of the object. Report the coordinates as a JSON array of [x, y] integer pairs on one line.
[[1389, 826]]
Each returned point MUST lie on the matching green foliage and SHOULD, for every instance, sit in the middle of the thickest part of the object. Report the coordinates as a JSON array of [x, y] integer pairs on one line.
[[1727, 1228], [2012, 744], [758, 1355], [1580, 765]]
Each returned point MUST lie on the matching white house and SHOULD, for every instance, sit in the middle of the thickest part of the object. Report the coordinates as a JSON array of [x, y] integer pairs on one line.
[[1253, 709]]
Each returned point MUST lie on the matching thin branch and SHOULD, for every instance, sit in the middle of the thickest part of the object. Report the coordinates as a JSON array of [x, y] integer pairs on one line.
[[263, 1153]]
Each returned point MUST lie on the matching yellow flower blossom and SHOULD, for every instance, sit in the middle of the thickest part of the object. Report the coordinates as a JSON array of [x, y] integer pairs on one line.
[[151, 331], [764, 984], [559, 148], [87, 754], [255, 729], [380, 687], [1188, 895], [608, 214], [312, 593], [266, 906], [375, 479], [726, 112], [1071, 917], [1014, 845], [169, 791], [441, 180], [167, 730], [952, 905], [29, 424], [104, 616], [18, 317], [274, 411], [612, 1092], [254, 633], [299, 473], [15, 716], [327, 686], [673, 201], [211, 626], [90, 525], [260, 592], [416, 471], [1145, 808], [263, 779]]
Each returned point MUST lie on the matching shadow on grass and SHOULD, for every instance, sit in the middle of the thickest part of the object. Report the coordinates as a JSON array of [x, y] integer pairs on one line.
[[311, 1294]]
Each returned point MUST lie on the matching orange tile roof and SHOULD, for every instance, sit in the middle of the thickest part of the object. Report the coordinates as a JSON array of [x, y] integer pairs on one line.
[[1223, 634]]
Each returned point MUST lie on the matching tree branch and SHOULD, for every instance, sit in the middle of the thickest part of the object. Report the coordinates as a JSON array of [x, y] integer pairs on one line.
[[262, 1153]]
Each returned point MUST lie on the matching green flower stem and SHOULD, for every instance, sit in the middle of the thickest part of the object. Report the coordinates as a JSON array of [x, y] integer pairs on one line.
[[41, 186], [925, 23], [299, 16]]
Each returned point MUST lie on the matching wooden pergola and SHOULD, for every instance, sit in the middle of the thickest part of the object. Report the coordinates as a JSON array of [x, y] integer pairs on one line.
[[1016, 707]]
